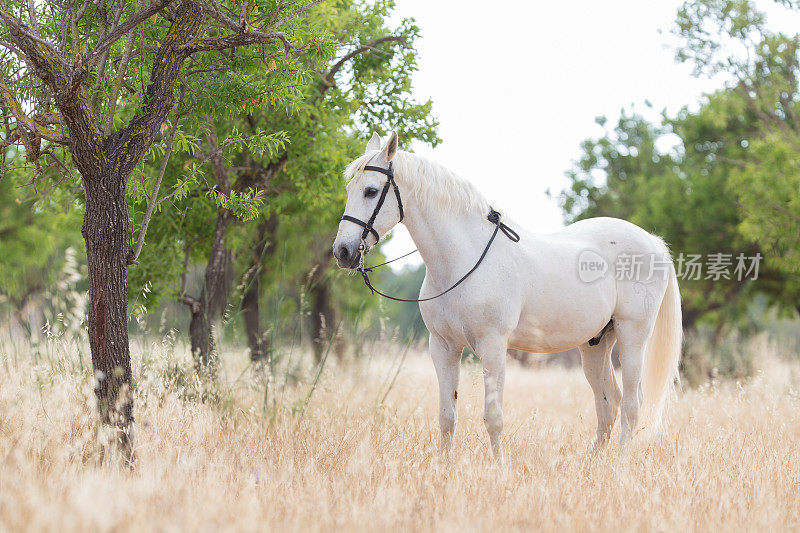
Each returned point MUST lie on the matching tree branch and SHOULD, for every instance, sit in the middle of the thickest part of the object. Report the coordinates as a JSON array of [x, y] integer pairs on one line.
[[78, 115], [237, 40], [217, 163], [263, 177], [243, 37], [25, 121], [187, 254], [32, 14], [152, 200], [121, 70], [100, 79], [199, 165], [295, 13], [117, 33], [329, 77], [15, 50], [19, 34], [159, 98], [192, 302], [212, 9]]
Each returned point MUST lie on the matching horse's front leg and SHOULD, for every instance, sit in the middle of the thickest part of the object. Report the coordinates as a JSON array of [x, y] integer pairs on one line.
[[446, 358], [493, 355]]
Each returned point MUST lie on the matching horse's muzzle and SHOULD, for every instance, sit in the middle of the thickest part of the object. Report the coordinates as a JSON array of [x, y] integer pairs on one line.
[[348, 255]]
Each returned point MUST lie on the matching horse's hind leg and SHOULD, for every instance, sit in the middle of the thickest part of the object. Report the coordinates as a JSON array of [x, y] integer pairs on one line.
[[632, 336], [596, 361], [447, 361]]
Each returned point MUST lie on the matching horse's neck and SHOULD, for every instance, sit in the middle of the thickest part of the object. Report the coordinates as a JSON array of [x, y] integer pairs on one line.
[[446, 242]]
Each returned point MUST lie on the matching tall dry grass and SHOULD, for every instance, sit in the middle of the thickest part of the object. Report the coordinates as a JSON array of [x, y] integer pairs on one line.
[[341, 459]]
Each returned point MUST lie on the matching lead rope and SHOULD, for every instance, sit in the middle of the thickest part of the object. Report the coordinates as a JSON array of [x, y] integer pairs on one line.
[[493, 217]]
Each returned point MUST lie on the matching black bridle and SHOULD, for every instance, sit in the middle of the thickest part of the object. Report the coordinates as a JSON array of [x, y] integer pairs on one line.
[[368, 225], [493, 217]]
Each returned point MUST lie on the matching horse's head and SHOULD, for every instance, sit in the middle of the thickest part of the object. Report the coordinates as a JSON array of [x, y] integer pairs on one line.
[[373, 206]]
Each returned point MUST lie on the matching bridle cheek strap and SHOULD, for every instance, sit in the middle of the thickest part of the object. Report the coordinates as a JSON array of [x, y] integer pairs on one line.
[[389, 182]]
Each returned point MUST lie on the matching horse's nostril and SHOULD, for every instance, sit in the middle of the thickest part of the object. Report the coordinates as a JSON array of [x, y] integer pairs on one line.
[[344, 253]]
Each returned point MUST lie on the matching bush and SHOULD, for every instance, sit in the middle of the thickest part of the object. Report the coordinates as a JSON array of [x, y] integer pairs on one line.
[[708, 359]]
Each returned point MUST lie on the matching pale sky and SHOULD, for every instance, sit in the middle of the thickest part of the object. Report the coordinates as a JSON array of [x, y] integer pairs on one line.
[[516, 87]]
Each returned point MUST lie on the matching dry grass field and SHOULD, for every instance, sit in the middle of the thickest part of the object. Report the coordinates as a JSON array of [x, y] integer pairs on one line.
[[728, 460]]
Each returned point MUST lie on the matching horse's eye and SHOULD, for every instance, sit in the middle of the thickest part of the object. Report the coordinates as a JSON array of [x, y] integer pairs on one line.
[[370, 192]]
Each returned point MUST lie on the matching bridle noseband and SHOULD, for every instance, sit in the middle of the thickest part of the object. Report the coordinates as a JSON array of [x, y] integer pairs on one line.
[[368, 225], [493, 217]]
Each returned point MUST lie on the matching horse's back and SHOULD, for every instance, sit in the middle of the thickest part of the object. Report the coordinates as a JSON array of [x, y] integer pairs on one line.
[[614, 236]]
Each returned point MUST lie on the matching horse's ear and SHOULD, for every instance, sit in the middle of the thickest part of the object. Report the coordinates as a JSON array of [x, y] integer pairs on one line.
[[374, 143], [391, 146]]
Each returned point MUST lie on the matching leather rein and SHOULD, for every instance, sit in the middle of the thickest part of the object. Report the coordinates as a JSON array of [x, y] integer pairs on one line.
[[493, 217]]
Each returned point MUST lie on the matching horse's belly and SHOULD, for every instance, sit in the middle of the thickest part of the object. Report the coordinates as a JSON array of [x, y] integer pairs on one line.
[[563, 323], [533, 339]]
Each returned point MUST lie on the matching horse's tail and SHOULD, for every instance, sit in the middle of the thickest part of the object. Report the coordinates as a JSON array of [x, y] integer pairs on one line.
[[663, 352]]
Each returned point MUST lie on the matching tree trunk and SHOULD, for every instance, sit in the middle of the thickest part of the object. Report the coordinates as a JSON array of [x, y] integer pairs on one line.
[[690, 318], [105, 230], [217, 276], [323, 314], [250, 305], [251, 312], [323, 318], [213, 298], [200, 337]]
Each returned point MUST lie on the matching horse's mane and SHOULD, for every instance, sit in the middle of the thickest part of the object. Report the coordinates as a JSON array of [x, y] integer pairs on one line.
[[426, 182]]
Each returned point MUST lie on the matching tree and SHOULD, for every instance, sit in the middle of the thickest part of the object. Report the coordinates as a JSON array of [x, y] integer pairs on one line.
[[74, 96], [368, 87], [682, 194], [300, 177], [761, 68]]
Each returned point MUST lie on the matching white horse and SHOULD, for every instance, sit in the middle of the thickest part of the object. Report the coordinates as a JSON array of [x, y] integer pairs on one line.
[[601, 277]]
